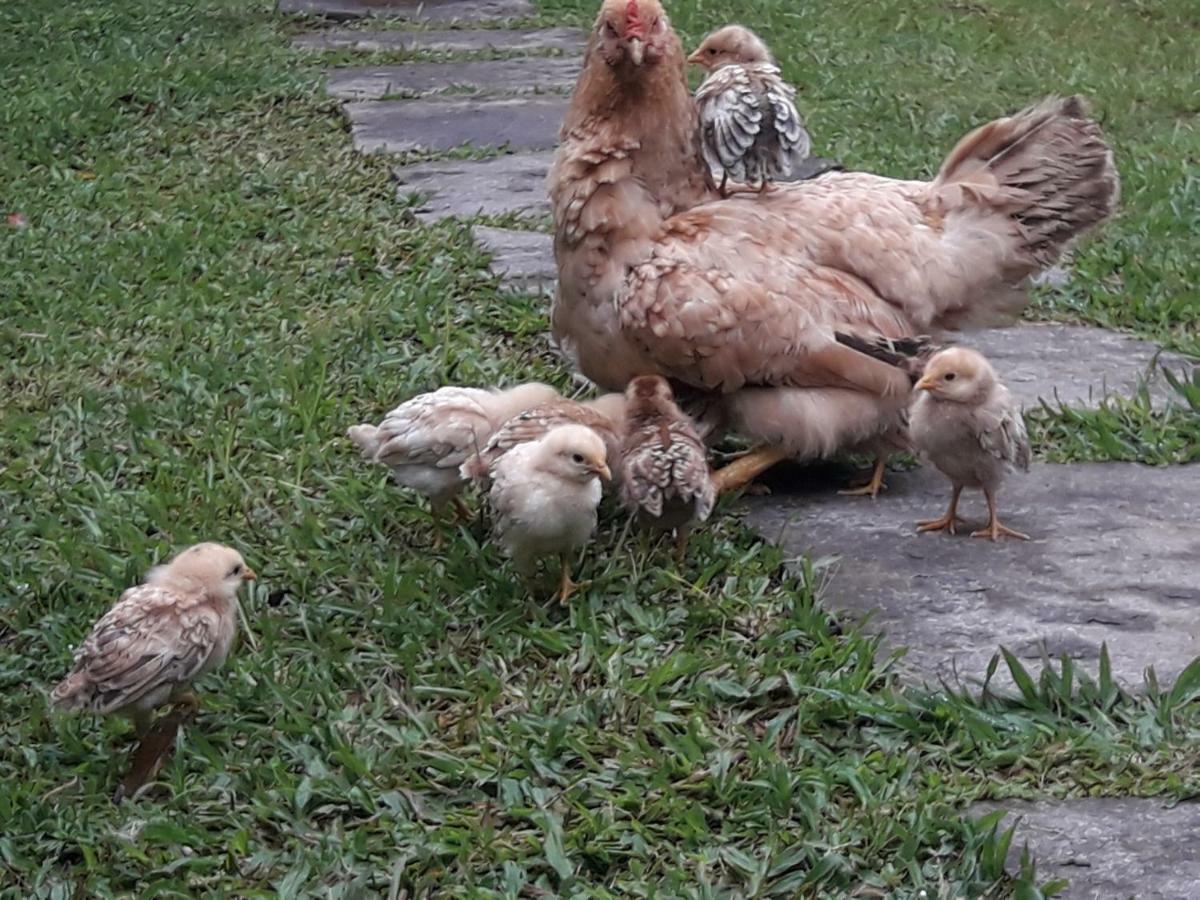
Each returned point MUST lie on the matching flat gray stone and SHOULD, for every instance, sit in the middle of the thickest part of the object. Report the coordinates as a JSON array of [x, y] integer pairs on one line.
[[416, 10], [522, 75], [1112, 559], [490, 187], [466, 40], [524, 260], [1108, 848], [397, 126], [1077, 364]]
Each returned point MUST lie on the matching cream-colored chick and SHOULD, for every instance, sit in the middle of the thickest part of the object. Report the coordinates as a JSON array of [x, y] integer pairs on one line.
[[605, 415], [160, 636], [750, 130], [968, 425], [544, 497], [425, 440], [665, 479]]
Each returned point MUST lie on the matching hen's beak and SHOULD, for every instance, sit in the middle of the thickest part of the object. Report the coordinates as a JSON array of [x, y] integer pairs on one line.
[[248, 574], [637, 51], [603, 471], [925, 384]]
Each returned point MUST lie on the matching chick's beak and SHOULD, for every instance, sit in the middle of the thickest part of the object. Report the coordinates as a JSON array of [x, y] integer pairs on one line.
[[248, 574], [696, 58], [637, 51], [925, 384], [603, 471]]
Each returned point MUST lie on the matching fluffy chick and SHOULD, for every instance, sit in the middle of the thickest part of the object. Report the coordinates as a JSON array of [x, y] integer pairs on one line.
[[969, 426], [665, 479], [605, 415], [159, 637], [425, 440], [750, 130], [544, 497]]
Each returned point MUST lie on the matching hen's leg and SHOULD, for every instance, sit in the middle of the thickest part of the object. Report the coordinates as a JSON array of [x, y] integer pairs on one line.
[[745, 469], [995, 530], [874, 486], [948, 522]]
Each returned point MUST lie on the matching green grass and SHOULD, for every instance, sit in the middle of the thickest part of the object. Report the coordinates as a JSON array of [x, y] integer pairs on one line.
[[212, 286]]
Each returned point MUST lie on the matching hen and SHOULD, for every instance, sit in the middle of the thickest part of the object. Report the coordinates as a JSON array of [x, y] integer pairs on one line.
[[750, 130], [664, 467], [544, 497], [425, 440], [604, 415], [740, 298], [969, 426]]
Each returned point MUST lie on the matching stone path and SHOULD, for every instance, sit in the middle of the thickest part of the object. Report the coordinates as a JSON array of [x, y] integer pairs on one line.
[[1102, 566]]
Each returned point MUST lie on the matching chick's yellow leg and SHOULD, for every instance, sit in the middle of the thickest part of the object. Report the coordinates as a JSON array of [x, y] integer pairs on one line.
[[874, 486], [745, 469], [681, 542], [948, 522], [462, 510], [995, 529], [567, 587]]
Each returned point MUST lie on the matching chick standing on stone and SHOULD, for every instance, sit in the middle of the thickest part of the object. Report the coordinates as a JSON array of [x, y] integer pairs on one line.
[[605, 415], [425, 440], [160, 636], [750, 130], [969, 426], [544, 497], [665, 479]]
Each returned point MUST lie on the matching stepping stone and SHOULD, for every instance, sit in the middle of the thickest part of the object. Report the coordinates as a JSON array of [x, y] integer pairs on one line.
[[397, 126], [423, 10], [1113, 559], [1077, 363], [524, 260], [523, 75], [1107, 847], [566, 40], [487, 187]]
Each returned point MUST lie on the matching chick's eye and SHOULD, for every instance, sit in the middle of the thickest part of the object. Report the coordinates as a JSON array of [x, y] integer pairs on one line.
[[712, 51], [950, 376], [577, 457], [237, 570]]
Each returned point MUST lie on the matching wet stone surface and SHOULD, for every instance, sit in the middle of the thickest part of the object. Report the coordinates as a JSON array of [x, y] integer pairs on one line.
[[515, 183], [1108, 847], [397, 126], [417, 10], [569, 41], [500, 76], [524, 260], [1112, 559]]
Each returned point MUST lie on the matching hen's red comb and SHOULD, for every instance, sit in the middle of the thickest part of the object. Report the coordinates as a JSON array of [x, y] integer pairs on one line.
[[634, 26]]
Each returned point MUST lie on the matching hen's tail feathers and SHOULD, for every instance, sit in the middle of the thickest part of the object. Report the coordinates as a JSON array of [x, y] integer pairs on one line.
[[907, 354], [366, 438], [1048, 168]]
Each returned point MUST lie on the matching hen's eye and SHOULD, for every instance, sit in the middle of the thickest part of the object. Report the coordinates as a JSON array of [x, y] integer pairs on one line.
[[577, 457], [950, 376], [712, 51], [609, 31]]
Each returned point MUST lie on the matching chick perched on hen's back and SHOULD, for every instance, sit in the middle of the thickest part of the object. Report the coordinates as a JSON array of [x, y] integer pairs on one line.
[[665, 479], [968, 425], [544, 498], [750, 130], [425, 440]]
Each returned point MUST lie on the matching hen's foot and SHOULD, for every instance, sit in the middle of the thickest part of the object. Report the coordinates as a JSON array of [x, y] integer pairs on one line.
[[996, 530], [945, 523], [745, 469], [871, 488]]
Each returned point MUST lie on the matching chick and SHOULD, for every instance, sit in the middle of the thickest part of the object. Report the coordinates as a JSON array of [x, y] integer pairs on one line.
[[750, 130], [160, 636], [969, 426], [665, 479], [605, 415], [425, 440], [544, 497]]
